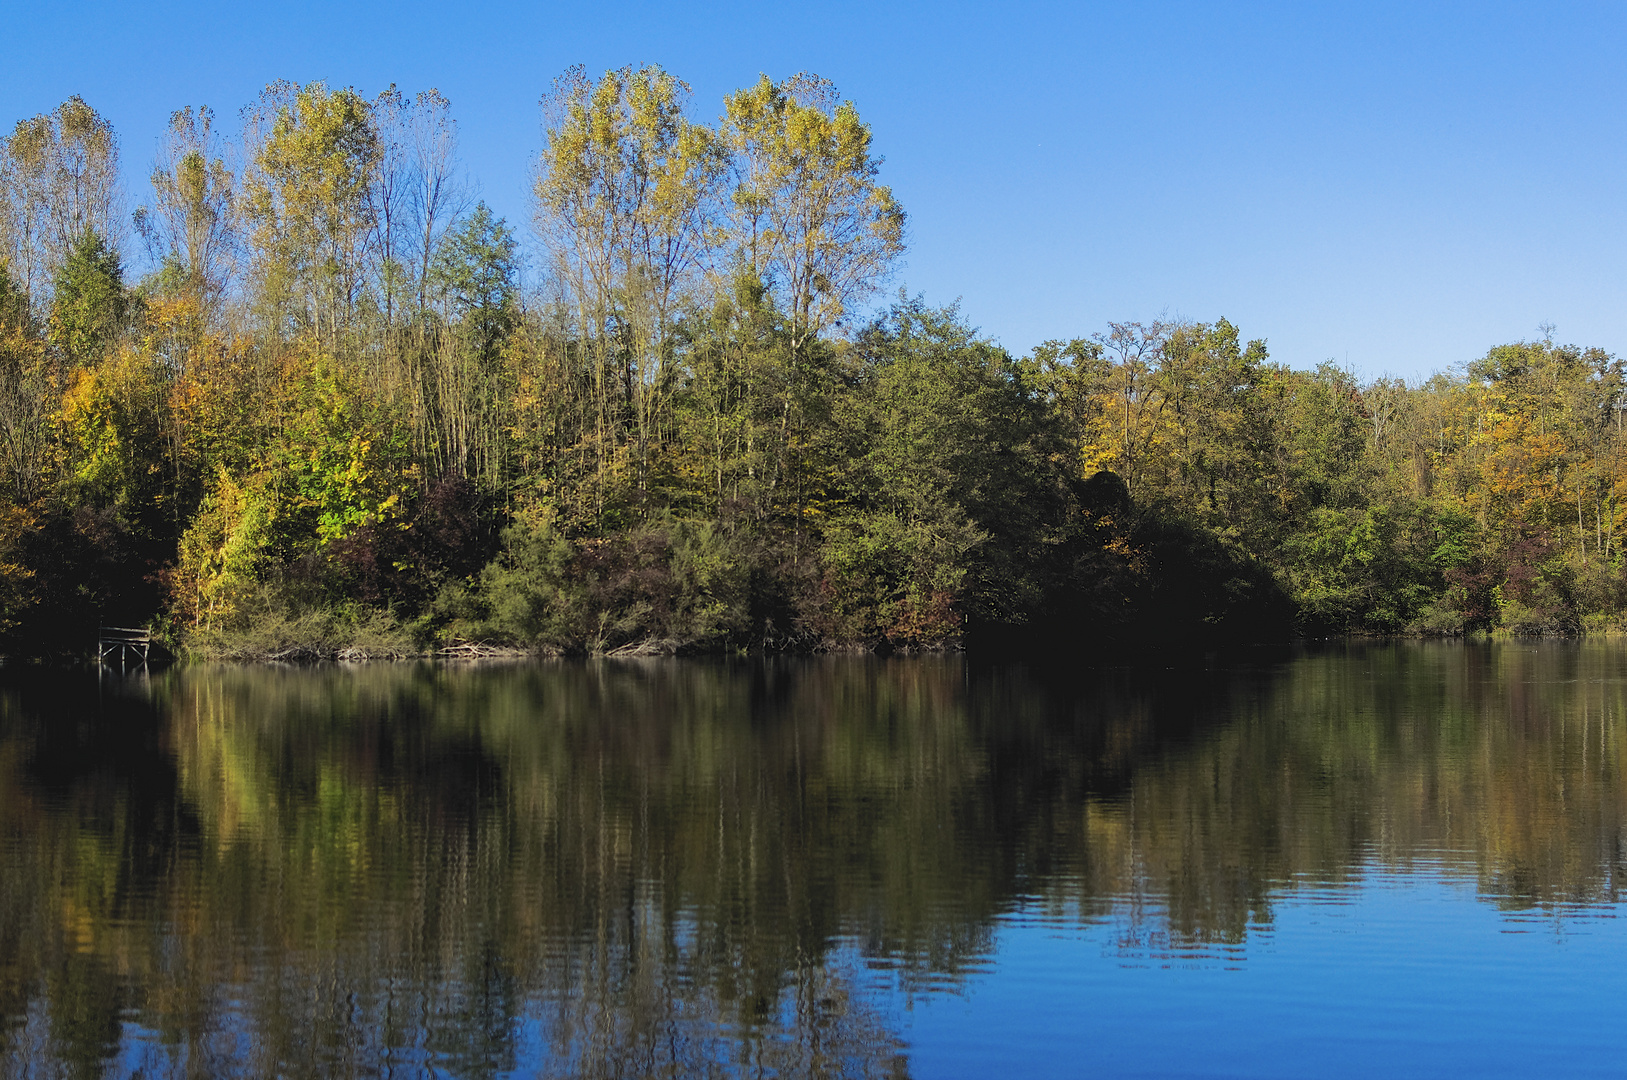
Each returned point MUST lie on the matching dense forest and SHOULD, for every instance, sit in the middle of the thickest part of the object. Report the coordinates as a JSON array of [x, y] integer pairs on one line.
[[305, 395]]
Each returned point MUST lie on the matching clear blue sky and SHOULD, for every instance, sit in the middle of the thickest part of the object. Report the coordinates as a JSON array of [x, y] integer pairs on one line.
[[1399, 185]]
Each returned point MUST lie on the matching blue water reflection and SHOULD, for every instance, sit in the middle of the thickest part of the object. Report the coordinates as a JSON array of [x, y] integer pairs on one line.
[[1395, 975], [1398, 860]]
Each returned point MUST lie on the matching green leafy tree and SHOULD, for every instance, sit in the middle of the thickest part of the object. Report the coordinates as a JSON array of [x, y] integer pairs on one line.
[[89, 303], [475, 273], [59, 180], [313, 153], [808, 215]]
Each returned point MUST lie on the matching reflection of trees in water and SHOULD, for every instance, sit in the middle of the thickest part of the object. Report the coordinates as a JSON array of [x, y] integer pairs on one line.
[[407, 868], [659, 1020], [678, 869], [1501, 764]]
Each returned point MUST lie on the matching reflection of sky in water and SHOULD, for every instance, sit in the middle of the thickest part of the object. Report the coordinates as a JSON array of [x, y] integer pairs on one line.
[[1381, 862], [1402, 975], [1398, 975]]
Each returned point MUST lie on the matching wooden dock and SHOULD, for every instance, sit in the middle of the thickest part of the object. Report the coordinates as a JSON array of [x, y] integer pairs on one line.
[[129, 645]]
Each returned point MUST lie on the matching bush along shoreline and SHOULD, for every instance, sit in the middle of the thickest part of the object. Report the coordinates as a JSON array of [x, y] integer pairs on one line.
[[295, 399]]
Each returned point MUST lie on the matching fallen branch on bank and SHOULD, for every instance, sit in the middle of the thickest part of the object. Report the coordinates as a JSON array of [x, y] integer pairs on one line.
[[479, 650], [643, 647]]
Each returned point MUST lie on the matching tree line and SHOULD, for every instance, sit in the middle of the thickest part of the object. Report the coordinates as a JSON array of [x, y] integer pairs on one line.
[[308, 394]]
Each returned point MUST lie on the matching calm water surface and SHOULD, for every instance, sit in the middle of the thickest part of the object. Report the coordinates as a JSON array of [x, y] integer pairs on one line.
[[1385, 860]]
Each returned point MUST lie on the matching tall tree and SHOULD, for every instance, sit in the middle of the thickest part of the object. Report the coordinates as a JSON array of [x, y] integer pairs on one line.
[[313, 155], [624, 196], [389, 196], [474, 276], [88, 304], [193, 219], [436, 198], [59, 179], [809, 216]]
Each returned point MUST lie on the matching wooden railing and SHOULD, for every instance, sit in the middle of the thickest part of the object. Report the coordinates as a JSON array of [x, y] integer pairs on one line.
[[123, 641]]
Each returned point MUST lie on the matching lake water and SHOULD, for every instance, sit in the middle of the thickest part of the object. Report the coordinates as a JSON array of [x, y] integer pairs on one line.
[[1385, 860]]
